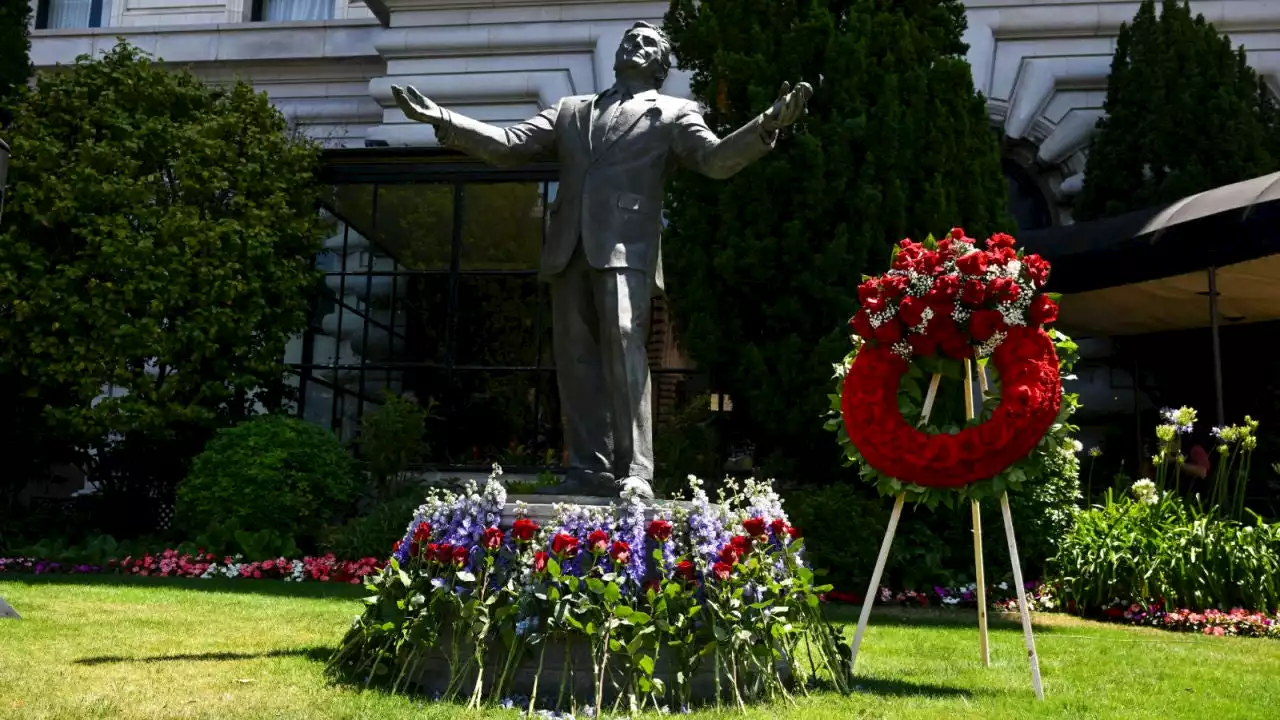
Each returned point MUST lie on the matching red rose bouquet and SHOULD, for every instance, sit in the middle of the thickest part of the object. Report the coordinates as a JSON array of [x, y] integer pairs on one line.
[[941, 304]]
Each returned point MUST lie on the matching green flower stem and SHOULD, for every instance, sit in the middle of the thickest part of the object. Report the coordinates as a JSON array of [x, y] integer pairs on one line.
[[733, 674], [564, 674], [533, 694], [604, 663]]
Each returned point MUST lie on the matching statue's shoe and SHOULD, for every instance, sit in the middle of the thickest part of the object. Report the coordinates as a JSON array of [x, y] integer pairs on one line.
[[636, 487]]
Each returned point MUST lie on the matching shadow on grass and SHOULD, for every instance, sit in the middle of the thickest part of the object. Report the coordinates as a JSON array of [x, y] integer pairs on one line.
[[903, 688], [309, 589], [317, 654]]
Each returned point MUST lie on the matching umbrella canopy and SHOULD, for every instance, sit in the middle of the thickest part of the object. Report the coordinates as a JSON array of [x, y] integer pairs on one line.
[[1145, 271]]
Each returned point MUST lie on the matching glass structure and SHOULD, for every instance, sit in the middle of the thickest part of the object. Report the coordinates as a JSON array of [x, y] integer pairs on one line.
[[431, 288]]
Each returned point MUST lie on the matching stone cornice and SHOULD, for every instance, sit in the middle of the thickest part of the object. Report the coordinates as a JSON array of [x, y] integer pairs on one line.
[[230, 42]]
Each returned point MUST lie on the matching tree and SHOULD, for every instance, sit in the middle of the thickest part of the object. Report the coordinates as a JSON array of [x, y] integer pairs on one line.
[[160, 240], [1185, 113], [15, 46], [762, 268]]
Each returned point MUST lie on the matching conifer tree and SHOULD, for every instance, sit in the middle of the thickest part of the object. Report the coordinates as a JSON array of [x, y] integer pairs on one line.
[[762, 268], [1185, 113]]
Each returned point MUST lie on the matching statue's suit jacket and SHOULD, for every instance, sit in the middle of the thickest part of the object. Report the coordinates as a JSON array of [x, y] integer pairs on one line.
[[611, 194]]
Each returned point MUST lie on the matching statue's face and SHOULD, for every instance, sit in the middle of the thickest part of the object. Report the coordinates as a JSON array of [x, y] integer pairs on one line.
[[640, 48]]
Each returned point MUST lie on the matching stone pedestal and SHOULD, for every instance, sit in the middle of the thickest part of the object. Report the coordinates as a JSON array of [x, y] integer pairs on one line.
[[541, 508], [432, 675]]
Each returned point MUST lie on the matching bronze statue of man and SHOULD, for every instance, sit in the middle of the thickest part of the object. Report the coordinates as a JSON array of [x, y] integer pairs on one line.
[[602, 255]]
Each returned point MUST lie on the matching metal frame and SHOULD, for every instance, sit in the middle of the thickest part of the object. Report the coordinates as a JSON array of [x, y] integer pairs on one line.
[[381, 167]]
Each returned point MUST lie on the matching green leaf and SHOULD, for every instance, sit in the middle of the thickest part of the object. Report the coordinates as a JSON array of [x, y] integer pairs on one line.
[[612, 593]]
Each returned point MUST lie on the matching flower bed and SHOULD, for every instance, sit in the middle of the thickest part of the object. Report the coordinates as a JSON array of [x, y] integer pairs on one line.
[[621, 603], [205, 566], [1042, 598]]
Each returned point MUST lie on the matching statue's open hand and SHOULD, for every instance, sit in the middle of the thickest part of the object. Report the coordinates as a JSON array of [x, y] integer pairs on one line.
[[416, 106], [789, 107]]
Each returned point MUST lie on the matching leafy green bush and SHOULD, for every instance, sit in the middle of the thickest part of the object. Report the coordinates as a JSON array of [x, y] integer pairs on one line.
[[932, 546], [374, 533], [270, 473], [689, 444], [1152, 546], [391, 441]]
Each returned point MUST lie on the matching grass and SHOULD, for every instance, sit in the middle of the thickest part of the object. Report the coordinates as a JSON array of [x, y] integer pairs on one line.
[[149, 648]]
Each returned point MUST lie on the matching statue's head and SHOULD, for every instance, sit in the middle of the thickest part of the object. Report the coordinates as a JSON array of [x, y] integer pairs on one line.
[[644, 49]]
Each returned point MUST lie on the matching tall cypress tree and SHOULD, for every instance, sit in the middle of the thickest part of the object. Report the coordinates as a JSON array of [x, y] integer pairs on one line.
[[762, 268], [1185, 113], [15, 47]]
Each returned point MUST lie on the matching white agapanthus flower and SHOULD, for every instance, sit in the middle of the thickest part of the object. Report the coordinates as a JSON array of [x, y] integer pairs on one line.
[[1145, 492]]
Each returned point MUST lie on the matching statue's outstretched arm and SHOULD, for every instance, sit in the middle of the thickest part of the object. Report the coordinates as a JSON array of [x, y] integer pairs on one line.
[[700, 150], [504, 147]]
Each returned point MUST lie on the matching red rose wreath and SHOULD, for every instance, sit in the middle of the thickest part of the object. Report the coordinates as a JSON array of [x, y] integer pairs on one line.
[[952, 300]]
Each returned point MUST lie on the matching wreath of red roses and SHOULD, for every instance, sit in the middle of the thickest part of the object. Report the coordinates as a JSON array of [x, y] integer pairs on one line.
[[1030, 398], [1005, 322]]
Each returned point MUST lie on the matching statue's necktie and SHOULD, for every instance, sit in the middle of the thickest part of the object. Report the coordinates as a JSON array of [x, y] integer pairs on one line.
[[608, 117]]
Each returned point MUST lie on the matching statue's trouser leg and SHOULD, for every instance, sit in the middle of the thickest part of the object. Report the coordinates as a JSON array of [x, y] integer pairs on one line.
[[579, 373], [623, 299]]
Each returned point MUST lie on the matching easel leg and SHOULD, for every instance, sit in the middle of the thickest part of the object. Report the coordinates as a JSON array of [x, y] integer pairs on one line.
[[970, 413], [874, 588], [983, 642], [1022, 598]]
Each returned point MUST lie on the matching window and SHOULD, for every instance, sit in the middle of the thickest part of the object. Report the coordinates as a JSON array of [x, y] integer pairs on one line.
[[67, 14], [292, 10], [431, 288]]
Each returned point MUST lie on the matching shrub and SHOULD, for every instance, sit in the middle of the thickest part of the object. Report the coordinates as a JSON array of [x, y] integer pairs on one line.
[[689, 444], [373, 533], [270, 473], [160, 237], [390, 441], [1157, 546], [934, 546], [1152, 548]]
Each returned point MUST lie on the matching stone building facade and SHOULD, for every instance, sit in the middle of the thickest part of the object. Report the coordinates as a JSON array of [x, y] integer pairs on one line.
[[399, 317]]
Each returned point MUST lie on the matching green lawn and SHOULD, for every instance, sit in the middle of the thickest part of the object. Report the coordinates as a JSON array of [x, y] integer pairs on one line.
[[116, 648]]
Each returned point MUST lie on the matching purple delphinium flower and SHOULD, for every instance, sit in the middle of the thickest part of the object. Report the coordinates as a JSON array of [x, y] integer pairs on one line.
[[707, 532], [631, 530], [580, 521]]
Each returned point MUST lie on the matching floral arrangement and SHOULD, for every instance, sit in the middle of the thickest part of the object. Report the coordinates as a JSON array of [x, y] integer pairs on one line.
[[1001, 596], [1233, 622], [942, 304], [1042, 597], [205, 566], [637, 603]]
